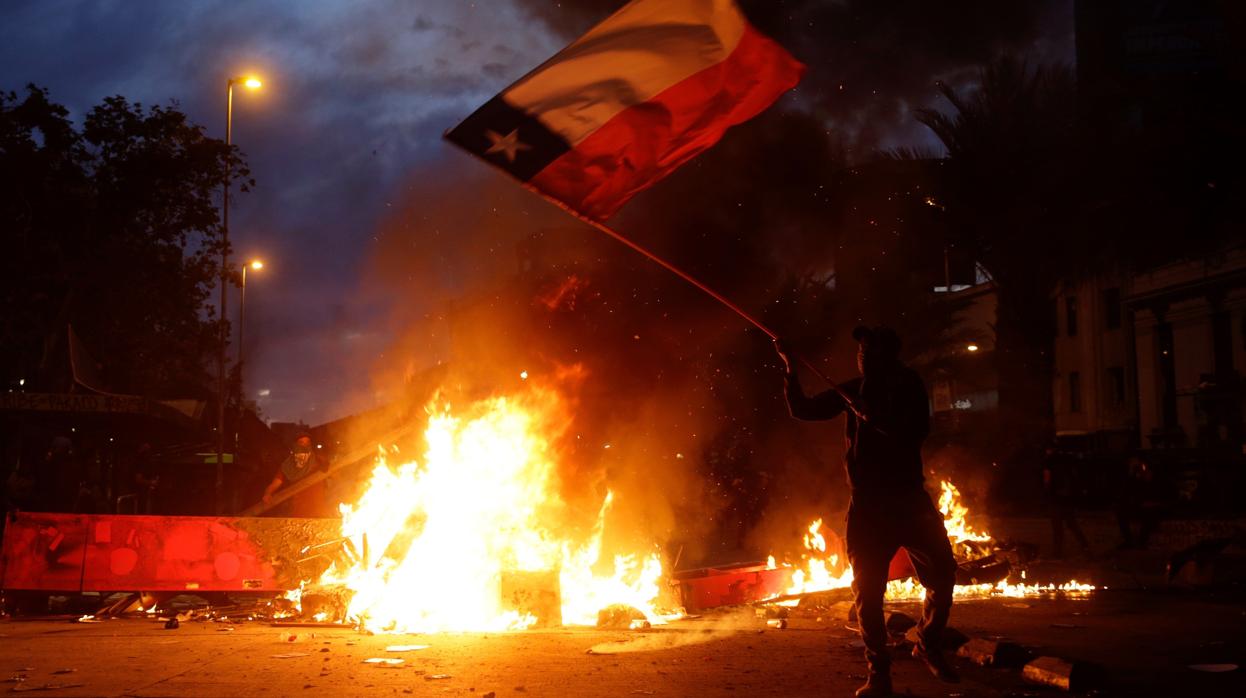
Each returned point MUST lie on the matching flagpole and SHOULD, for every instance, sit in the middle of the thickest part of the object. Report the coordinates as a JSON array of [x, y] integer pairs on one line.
[[848, 402]]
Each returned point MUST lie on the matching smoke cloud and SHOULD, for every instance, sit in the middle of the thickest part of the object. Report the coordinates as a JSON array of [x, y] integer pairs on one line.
[[678, 404]]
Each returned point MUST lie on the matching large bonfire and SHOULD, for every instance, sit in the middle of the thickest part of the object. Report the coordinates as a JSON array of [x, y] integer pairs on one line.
[[439, 535]]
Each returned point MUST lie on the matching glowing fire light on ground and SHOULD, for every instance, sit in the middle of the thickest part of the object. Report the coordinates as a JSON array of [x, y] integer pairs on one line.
[[818, 571], [440, 533]]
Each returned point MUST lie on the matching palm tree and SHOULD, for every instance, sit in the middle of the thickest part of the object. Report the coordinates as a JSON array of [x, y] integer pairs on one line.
[[1012, 198]]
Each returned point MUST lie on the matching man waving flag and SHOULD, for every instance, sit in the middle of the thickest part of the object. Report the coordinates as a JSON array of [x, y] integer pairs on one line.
[[640, 94]]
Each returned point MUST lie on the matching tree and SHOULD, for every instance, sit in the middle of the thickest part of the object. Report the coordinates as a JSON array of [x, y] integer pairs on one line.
[[113, 228], [1013, 195]]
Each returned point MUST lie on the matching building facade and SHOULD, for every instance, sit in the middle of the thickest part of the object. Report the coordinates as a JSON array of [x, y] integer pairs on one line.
[[1154, 359]]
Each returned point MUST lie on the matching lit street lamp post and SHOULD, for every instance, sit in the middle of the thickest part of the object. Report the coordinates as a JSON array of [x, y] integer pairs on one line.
[[242, 310], [250, 83]]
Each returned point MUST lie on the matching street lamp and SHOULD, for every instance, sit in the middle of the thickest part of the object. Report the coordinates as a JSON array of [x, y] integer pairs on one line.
[[242, 315], [251, 83]]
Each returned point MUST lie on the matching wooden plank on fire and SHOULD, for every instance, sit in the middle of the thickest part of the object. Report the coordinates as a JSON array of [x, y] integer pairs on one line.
[[351, 458], [825, 595]]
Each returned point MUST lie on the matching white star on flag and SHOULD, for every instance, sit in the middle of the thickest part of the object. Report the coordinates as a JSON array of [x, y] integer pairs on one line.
[[509, 145]]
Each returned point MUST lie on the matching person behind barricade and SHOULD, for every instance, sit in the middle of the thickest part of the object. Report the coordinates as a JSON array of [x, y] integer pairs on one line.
[[1060, 491], [302, 462], [887, 419], [140, 483]]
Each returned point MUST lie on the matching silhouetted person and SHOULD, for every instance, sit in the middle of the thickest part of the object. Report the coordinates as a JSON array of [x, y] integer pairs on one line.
[[1060, 492], [58, 480], [1141, 500], [90, 492], [301, 463], [141, 481], [890, 508]]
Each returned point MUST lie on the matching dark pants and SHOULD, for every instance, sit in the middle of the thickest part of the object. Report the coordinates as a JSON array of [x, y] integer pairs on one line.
[[876, 530]]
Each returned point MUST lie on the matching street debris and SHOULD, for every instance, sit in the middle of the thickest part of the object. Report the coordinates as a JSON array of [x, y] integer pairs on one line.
[[405, 648], [21, 688], [64, 671], [1196, 565], [172, 624], [952, 638], [289, 655], [777, 623], [619, 617], [899, 623], [436, 677], [387, 662], [1213, 668], [993, 653], [990, 569], [325, 603], [1061, 674]]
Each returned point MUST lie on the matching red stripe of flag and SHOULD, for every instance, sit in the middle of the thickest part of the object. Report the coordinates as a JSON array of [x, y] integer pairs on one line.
[[647, 141]]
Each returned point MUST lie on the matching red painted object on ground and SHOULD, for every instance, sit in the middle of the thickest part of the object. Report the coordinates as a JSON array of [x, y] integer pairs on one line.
[[744, 583], [76, 552]]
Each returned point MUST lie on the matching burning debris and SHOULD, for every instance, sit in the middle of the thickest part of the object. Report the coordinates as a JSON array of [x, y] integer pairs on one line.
[[476, 536], [986, 567]]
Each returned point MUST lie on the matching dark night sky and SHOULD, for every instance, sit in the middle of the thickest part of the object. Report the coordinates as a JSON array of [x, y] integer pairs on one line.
[[346, 132]]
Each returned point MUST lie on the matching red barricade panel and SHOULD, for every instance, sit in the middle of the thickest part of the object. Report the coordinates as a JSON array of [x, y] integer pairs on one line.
[[66, 552], [43, 551]]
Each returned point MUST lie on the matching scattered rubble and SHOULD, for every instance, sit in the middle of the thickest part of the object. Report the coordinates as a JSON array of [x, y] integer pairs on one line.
[[325, 603], [899, 623], [952, 638], [1213, 668], [1061, 674], [993, 653], [619, 617], [21, 687]]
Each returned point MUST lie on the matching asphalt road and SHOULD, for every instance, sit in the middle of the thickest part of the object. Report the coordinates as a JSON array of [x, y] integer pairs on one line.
[[1144, 640]]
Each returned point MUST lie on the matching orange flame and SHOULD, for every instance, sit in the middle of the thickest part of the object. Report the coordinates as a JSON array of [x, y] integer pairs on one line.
[[441, 532], [818, 571]]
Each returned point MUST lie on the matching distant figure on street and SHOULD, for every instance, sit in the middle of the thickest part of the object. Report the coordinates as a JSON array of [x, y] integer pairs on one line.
[[1141, 500], [301, 463], [1060, 491], [144, 479], [57, 487], [887, 421]]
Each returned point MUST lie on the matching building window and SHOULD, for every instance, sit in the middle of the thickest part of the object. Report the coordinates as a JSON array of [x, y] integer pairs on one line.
[[1070, 315], [1075, 392], [1112, 308], [1116, 385]]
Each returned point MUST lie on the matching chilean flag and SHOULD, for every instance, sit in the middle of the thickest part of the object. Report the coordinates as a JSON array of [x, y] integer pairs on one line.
[[626, 104]]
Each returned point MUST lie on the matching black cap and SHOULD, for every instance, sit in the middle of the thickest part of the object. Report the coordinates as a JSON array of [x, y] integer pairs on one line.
[[879, 337]]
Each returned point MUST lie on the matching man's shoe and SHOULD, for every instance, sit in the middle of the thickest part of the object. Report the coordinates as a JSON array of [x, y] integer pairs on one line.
[[876, 686], [937, 664]]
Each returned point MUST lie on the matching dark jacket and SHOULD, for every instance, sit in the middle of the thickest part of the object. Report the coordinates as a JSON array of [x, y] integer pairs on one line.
[[883, 457]]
